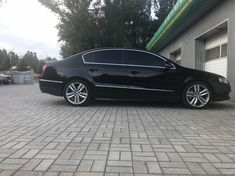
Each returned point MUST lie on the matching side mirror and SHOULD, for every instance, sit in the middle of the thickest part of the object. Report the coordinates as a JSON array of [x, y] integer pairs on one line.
[[168, 65]]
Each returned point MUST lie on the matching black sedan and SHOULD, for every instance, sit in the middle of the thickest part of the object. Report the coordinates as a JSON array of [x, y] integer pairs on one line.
[[130, 74]]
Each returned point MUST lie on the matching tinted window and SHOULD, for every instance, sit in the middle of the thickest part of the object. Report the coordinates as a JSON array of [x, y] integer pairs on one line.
[[142, 58], [109, 56], [224, 50], [90, 57], [213, 53]]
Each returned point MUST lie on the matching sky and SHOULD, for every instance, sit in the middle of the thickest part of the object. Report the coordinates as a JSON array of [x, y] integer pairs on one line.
[[26, 25]]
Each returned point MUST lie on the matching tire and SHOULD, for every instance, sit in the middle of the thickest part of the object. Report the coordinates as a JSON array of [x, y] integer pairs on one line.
[[77, 93], [196, 95]]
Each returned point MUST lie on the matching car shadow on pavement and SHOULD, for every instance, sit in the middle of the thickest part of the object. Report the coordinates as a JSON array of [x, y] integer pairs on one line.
[[221, 105], [150, 104], [171, 105]]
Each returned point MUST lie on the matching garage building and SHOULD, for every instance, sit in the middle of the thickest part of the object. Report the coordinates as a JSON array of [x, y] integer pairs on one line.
[[200, 34]]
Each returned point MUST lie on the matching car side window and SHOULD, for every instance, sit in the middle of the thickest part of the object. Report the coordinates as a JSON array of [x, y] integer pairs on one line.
[[89, 57], [108, 56], [142, 58]]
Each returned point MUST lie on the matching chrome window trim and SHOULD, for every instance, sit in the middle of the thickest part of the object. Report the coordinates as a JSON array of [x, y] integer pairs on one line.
[[132, 87], [52, 81], [131, 65]]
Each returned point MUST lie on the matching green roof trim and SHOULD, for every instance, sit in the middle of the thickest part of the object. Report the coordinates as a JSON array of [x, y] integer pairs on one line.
[[183, 14]]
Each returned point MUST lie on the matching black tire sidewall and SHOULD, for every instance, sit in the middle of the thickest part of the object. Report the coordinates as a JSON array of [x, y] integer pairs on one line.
[[184, 99], [87, 101]]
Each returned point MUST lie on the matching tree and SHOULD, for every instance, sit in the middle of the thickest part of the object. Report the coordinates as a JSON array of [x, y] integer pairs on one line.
[[1, 2], [163, 8], [4, 60], [29, 60], [22, 66], [86, 24], [127, 22], [7, 60], [14, 58], [49, 59]]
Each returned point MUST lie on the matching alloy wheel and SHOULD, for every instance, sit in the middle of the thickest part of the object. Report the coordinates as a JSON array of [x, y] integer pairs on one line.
[[198, 95], [76, 93]]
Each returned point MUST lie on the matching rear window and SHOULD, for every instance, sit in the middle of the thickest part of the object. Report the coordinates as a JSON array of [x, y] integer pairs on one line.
[[90, 57]]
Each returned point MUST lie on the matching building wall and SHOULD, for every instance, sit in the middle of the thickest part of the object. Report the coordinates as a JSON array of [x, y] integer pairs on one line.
[[221, 13]]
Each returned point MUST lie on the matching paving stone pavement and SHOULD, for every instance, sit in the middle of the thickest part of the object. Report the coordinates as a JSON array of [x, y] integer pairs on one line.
[[40, 135]]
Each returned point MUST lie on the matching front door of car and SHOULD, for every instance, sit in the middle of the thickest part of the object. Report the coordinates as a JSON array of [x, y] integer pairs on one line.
[[109, 76], [149, 77]]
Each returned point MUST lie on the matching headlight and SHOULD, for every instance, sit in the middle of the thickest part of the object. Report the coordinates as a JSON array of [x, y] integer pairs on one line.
[[223, 80]]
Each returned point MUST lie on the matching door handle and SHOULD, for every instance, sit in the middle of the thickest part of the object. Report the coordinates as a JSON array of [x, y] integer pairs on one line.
[[135, 72], [93, 70]]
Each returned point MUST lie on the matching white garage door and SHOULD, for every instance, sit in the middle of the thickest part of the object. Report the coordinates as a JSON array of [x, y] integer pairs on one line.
[[216, 54]]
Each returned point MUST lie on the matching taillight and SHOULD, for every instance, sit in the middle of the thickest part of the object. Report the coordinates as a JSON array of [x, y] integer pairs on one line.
[[44, 68]]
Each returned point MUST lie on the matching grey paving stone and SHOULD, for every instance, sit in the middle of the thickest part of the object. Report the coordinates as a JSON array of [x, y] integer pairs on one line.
[[195, 168], [7, 173], [31, 164], [140, 167], [61, 168], [114, 156], [28, 173], [172, 164], [51, 173], [15, 161], [19, 153], [85, 165], [31, 153], [10, 166], [119, 163], [209, 168], [66, 174], [211, 157], [154, 168], [119, 169], [44, 165], [126, 156], [67, 162], [88, 174], [176, 171], [44, 135], [228, 171], [98, 166]]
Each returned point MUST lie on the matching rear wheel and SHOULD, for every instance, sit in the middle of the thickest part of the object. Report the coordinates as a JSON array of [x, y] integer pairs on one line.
[[77, 93], [196, 95]]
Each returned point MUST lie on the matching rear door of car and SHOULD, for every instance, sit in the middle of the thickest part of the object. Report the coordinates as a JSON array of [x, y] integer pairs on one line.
[[149, 77], [109, 75]]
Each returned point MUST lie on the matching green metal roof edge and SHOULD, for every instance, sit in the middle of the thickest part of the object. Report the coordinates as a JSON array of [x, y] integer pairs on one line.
[[182, 14], [169, 19]]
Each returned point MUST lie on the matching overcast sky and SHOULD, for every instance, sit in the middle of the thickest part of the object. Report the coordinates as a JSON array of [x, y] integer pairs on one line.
[[27, 25]]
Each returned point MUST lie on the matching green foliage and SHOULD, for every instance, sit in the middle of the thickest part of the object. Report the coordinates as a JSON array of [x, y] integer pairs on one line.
[[22, 66], [14, 58], [30, 60], [86, 24], [4, 60], [163, 8], [7, 60]]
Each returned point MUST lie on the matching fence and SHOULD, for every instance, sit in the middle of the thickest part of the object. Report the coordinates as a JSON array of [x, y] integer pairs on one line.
[[23, 77]]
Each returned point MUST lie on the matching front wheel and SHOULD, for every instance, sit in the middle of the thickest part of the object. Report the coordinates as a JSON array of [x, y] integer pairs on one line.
[[196, 95], [77, 93]]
